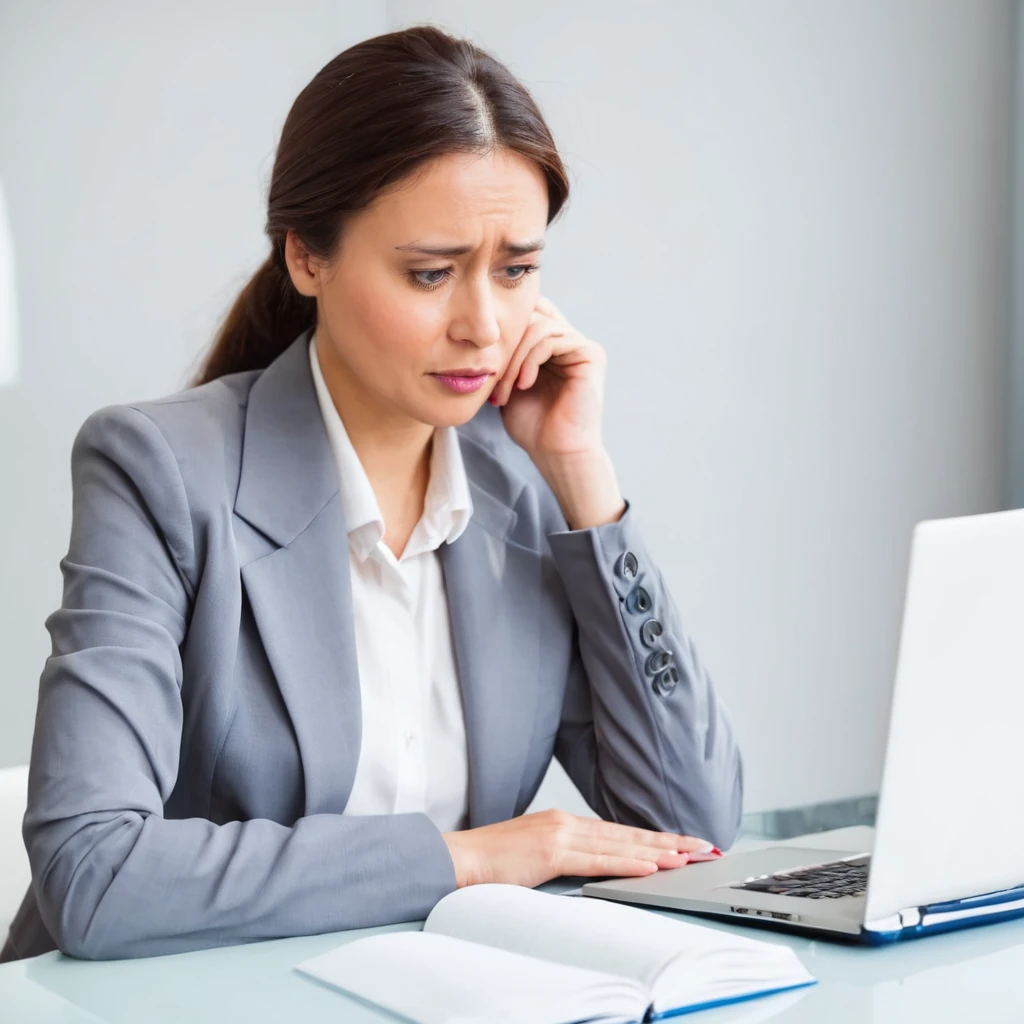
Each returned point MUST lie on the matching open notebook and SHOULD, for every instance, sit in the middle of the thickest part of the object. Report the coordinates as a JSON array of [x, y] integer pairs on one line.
[[506, 953]]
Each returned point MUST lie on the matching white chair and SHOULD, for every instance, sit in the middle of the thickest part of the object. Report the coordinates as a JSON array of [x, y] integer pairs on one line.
[[15, 874]]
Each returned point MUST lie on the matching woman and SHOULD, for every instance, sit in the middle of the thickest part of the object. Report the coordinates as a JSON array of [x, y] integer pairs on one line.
[[328, 613]]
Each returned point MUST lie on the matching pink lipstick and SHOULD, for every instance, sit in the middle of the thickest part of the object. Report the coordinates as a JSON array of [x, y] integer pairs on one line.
[[463, 382]]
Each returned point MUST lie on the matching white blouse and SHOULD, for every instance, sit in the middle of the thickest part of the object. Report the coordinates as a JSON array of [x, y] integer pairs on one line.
[[413, 752]]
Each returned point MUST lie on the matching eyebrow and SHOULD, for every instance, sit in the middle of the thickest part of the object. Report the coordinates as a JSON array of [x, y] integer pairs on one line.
[[512, 248]]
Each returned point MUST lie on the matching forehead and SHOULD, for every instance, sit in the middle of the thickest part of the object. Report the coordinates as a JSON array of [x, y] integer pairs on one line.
[[453, 194]]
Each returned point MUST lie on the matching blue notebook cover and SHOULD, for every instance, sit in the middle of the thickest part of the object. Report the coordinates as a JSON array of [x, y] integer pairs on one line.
[[694, 1007]]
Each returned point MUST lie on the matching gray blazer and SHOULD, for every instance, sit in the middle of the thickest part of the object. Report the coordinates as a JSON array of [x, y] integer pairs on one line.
[[198, 724]]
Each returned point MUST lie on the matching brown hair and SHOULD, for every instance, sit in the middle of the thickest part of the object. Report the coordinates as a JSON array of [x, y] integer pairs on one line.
[[367, 120]]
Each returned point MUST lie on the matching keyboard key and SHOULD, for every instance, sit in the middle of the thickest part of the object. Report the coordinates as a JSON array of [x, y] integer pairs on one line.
[[824, 881]]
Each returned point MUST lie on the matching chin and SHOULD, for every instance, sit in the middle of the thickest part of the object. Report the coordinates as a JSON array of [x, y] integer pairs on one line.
[[454, 412], [441, 408], [457, 417]]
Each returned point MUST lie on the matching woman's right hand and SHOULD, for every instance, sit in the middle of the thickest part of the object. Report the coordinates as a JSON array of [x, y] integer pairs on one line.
[[534, 848]]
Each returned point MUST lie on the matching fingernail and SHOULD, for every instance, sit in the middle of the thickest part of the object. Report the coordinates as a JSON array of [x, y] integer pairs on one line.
[[703, 848]]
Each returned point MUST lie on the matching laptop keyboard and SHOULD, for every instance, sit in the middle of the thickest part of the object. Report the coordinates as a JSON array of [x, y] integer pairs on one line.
[[830, 881]]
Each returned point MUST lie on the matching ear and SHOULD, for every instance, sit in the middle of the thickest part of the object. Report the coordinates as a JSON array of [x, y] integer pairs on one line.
[[303, 268]]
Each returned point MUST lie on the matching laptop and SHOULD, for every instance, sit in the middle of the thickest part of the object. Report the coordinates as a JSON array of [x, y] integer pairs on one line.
[[949, 833]]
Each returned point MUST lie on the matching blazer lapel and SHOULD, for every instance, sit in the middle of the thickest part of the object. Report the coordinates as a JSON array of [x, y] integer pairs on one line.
[[301, 593], [492, 586], [301, 599]]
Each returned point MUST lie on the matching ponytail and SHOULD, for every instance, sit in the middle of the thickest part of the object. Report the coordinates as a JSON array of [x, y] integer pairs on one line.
[[265, 319]]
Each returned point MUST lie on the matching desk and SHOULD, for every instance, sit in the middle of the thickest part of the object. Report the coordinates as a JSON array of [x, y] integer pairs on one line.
[[976, 975]]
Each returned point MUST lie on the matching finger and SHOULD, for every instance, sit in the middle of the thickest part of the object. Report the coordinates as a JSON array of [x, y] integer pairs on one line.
[[531, 337], [662, 856], [528, 374], [642, 836], [573, 863], [667, 860], [612, 830], [503, 388], [556, 345], [694, 845], [568, 348], [538, 355]]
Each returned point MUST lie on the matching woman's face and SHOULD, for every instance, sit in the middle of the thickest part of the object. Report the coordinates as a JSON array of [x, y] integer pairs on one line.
[[398, 329]]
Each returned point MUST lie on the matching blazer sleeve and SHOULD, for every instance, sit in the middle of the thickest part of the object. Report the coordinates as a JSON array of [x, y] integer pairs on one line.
[[643, 734], [112, 876]]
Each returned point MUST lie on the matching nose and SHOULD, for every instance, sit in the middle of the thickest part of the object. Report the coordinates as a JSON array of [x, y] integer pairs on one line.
[[474, 313]]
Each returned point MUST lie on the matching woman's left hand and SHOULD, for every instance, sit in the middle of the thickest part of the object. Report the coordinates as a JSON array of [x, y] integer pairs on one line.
[[551, 397]]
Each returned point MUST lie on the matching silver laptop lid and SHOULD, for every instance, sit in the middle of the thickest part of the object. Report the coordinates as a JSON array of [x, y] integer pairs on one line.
[[951, 809]]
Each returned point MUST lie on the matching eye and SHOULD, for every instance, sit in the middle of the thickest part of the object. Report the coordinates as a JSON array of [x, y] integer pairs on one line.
[[417, 276], [414, 276], [526, 268]]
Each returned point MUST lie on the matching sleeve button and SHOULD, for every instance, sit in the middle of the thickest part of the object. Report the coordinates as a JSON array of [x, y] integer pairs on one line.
[[638, 600], [665, 682], [628, 566], [658, 661], [650, 631]]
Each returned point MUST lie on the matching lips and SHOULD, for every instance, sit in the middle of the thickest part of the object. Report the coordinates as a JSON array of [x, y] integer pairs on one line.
[[463, 381]]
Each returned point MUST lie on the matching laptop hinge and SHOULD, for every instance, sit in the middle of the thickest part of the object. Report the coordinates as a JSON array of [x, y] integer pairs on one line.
[[892, 923]]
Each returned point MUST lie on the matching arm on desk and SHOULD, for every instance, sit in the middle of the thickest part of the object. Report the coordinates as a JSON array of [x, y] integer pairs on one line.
[[113, 878]]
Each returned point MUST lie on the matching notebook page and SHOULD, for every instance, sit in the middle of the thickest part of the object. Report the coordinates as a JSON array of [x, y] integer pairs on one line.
[[612, 937], [436, 979], [582, 931], [725, 974]]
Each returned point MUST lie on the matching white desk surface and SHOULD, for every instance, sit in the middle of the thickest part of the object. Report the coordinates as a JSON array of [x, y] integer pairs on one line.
[[975, 975]]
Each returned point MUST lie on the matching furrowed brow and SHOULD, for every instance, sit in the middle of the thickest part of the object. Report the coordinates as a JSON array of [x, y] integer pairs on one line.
[[510, 248]]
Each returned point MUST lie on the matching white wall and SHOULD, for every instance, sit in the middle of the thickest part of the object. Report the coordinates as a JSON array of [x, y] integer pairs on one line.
[[788, 227], [136, 143]]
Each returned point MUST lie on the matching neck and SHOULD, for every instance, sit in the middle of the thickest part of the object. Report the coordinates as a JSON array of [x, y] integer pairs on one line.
[[393, 449]]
